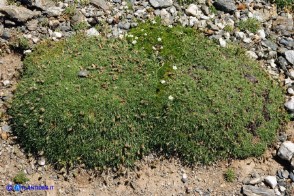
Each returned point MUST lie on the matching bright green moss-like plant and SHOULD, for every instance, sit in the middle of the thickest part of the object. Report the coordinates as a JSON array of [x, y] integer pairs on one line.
[[230, 175], [167, 90], [250, 24], [20, 178]]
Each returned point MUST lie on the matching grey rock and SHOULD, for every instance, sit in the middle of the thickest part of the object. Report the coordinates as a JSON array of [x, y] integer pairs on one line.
[[285, 174], [65, 26], [77, 18], [54, 11], [92, 32], [271, 181], [166, 17], [6, 128], [270, 44], [32, 25], [292, 164], [251, 54], [282, 62], [262, 15], [250, 190], [134, 24], [283, 137], [41, 161], [9, 23], [286, 150], [283, 23], [225, 5], [83, 73], [193, 10], [17, 13], [255, 180], [41, 4], [291, 176], [161, 3], [290, 56], [280, 174], [6, 34], [287, 42], [124, 25], [100, 4], [3, 2], [205, 9], [1, 29]]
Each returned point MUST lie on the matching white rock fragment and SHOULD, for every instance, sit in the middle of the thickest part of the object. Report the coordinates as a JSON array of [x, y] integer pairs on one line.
[[247, 40], [290, 56], [271, 181], [282, 188], [184, 178], [27, 51], [290, 91], [250, 15], [57, 34], [35, 40], [261, 34], [272, 63], [92, 32], [193, 10], [288, 81], [240, 35], [286, 150], [277, 192], [222, 42], [41, 161], [251, 54], [6, 82]]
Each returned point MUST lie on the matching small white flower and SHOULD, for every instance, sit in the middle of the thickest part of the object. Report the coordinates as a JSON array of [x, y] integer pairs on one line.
[[170, 26], [153, 47], [136, 37], [134, 42], [145, 34], [171, 98], [130, 36], [153, 22], [175, 67], [162, 81], [159, 39], [161, 47]]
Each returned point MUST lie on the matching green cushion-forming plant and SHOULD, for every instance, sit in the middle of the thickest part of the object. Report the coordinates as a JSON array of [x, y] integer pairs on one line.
[[167, 90]]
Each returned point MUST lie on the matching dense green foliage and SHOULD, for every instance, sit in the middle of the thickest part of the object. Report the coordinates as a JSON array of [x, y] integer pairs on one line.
[[250, 24], [284, 3], [165, 90]]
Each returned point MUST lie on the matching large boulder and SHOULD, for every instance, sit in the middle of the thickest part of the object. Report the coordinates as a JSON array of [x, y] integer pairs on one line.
[[17, 13]]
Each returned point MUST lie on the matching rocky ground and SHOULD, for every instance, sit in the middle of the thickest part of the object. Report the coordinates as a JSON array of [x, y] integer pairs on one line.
[[23, 24]]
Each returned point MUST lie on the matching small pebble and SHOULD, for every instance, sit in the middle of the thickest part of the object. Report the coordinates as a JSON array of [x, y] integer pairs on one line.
[[83, 73], [41, 161], [184, 178], [6, 82]]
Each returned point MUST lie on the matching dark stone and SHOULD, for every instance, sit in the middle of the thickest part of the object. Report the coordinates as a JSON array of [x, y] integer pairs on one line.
[[270, 44], [225, 5]]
